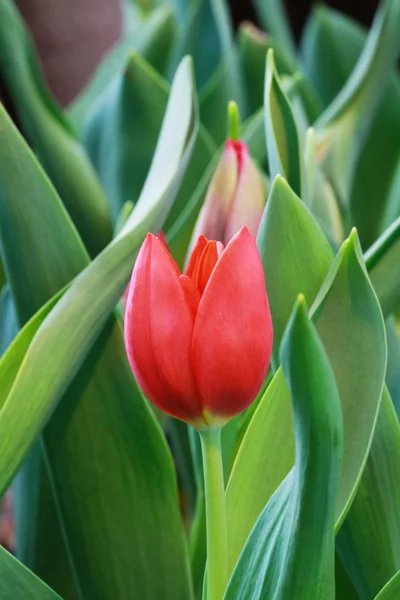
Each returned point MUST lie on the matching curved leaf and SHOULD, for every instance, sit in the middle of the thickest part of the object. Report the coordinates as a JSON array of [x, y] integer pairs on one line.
[[18, 583], [95, 463], [383, 263], [343, 128], [8, 318], [273, 15], [391, 590], [289, 554], [289, 241], [281, 133], [121, 132], [253, 45], [151, 38], [50, 133], [372, 526], [349, 322]]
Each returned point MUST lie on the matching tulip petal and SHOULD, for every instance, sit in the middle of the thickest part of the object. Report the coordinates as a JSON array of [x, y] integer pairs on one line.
[[192, 294], [158, 333], [192, 268], [208, 260], [232, 337], [217, 205], [249, 201]]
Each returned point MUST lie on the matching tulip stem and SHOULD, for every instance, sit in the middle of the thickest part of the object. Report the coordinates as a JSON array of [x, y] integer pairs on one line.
[[217, 560]]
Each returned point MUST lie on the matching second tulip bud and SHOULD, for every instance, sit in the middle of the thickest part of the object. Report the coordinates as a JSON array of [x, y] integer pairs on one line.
[[235, 197]]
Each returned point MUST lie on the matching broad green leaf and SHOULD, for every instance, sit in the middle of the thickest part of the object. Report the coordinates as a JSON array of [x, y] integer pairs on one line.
[[13, 357], [199, 37], [50, 133], [151, 38], [84, 308], [349, 322], [281, 130], [392, 208], [105, 462], [224, 83], [42, 253], [24, 192], [289, 554], [319, 195], [229, 56], [253, 46], [343, 587], [273, 16], [18, 583], [393, 366], [372, 526], [391, 590], [383, 263], [363, 89], [332, 38], [121, 132], [302, 97], [343, 128], [8, 319], [290, 240]]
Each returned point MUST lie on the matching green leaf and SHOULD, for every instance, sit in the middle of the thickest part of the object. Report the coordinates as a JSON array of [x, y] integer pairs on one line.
[[87, 295], [332, 38], [290, 552], [372, 526], [281, 130], [253, 45], [121, 132], [8, 319], [349, 322], [273, 16], [393, 366], [50, 133], [391, 590], [18, 583], [344, 127], [199, 37], [289, 241], [28, 199], [319, 195], [151, 39], [97, 468], [224, 83], [343, 587], [383, 263]]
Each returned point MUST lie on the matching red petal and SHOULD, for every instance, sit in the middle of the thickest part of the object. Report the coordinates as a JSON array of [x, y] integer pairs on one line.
[[191, 293], [232, 338], [192, 266], [208, 260], [158, 333]]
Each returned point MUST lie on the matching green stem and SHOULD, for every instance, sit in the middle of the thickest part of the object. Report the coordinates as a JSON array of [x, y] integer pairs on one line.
[[233, 121], [217, 560]]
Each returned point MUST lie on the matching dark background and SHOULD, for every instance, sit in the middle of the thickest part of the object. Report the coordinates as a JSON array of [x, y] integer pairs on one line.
[[362, 10]]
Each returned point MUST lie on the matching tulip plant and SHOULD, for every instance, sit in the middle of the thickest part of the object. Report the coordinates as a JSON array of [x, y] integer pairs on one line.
[[200, 311]]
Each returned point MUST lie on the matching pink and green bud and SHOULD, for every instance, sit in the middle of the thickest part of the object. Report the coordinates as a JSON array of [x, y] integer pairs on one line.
[[235, 197]]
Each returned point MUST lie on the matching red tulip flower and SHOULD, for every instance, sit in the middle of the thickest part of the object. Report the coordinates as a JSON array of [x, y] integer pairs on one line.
[[199, 344]]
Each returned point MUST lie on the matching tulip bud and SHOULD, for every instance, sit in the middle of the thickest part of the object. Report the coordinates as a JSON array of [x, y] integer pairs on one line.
[[235, 197], [199, 344]]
